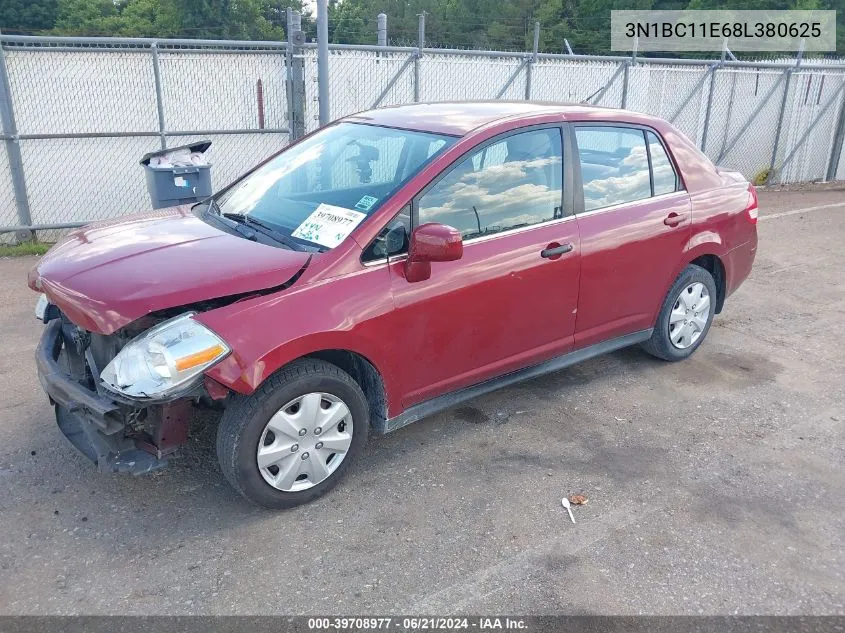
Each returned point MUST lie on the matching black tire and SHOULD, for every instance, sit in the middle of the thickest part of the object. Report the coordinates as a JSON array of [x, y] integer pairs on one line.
[[245, 418], [660, 345]]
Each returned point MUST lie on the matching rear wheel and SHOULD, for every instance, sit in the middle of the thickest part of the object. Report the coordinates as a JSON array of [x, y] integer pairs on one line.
[[685, 316], [294, 438]]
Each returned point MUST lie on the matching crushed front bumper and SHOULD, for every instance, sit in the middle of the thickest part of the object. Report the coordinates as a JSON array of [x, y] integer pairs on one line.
[[96, 424]]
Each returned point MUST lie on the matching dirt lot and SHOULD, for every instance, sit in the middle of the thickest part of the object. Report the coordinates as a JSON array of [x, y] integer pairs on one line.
[[716, 485]]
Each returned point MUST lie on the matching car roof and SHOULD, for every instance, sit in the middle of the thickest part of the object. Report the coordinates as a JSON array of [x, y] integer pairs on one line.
[[461, 117]]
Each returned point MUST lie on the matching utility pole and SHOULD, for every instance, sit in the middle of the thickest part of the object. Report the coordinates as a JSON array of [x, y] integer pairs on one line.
[[323, 60]]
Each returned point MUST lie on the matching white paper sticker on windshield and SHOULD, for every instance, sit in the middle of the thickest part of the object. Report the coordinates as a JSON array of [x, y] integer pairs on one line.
[[328, 225]]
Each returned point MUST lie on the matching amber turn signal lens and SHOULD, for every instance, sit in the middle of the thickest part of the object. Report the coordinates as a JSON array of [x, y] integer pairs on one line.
[[198, 358]]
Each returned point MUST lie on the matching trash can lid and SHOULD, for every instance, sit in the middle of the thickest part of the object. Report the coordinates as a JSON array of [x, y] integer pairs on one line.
[[199, 146]]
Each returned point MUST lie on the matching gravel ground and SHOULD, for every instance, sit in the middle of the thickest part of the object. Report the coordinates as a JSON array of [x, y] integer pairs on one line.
[[715, 485]]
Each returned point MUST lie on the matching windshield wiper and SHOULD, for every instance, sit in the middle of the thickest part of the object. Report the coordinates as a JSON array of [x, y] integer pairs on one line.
[[262, 228], [243, 229]]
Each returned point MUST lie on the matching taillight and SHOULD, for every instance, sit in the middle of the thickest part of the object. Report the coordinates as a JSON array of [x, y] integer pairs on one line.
[[751, 211]]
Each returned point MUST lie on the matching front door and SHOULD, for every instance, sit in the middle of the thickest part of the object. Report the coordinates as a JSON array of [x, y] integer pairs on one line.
[[510, 301]]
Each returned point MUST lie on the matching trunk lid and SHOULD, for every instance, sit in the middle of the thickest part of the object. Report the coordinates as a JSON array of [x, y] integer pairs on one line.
[[730, 176]]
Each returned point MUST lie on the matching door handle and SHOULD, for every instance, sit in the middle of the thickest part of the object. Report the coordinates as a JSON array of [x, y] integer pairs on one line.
[[674, 219], [555, 251]]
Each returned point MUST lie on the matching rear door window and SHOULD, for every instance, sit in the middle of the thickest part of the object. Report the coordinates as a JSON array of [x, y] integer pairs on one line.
[[663, 173], [614, 165]]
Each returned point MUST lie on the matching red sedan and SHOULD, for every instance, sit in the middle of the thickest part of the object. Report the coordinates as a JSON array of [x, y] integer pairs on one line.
[[386, 267]]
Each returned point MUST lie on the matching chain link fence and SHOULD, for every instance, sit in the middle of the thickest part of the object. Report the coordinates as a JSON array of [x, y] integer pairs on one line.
[[8, 209], [775, 122], [556, 79], [78, 113], [840, 172]]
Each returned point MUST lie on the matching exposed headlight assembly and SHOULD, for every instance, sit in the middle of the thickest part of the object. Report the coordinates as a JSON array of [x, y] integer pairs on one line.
[[44, 310], [41, 307], [164, 359]]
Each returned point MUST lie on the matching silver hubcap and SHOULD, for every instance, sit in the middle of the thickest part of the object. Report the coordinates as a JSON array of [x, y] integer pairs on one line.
[[689, 315], [304, 442]]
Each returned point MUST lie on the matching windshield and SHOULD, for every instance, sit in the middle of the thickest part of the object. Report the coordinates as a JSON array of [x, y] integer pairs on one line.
[[319, 190]]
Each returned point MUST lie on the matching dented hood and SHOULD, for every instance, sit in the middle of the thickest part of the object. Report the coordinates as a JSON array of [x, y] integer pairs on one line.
[[108, 274]]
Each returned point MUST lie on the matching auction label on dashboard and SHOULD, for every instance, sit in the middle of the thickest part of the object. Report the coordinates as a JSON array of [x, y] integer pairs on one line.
[[748, 31], [328, 225]]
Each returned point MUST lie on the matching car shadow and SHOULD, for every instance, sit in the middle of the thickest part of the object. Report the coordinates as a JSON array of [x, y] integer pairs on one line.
[[439, 432], [191, 496]]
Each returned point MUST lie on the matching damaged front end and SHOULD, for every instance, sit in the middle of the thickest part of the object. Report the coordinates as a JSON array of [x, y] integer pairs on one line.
[[122, 357], [118, 432]]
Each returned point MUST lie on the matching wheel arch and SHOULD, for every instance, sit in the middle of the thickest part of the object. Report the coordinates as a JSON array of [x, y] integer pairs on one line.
[[716, 267], [707, 250], [368, 377]]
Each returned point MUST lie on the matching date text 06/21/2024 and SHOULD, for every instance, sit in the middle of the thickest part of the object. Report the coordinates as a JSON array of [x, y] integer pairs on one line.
[[417, 623]]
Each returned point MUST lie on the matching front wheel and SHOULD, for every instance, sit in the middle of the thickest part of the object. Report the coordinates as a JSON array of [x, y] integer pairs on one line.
[[685, 316], [293, 439]]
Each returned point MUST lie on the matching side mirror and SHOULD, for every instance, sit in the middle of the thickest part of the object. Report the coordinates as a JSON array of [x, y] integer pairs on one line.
[[431, 243]]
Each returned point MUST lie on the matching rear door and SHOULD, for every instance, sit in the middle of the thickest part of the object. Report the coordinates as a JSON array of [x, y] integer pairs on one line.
[[635, 219], [510, 301]]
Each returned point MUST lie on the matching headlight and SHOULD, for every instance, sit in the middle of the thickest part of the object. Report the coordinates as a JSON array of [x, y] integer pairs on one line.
[[164, 359]]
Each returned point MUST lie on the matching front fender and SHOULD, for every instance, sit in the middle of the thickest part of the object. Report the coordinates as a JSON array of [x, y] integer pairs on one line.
[[245, 373], [352, 313]]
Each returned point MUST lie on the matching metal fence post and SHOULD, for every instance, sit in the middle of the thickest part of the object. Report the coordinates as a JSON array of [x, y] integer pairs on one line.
[[710, 91], [288, 71], [838, 139], [381, 21], [709, 108], [418, 56], [782, 113], [729, 110], [625, 72], [530, 67], [625, 85], [13, 149], [323, 60], [159, 98], [294, 79]]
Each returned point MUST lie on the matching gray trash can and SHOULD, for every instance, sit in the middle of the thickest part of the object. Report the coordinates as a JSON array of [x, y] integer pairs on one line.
[[171, 186]]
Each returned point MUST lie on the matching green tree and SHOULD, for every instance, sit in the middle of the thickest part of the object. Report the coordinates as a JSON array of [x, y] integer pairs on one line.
[[348, 22], [490, 24], [225, 19], [28, 15], [214, 19], [84, 17], [139, 18]]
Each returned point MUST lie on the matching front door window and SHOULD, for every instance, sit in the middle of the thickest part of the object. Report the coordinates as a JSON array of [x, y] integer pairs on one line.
[[512, 183]]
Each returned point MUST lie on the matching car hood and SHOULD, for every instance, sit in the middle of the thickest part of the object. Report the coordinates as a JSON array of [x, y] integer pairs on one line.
[[109, 274]]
